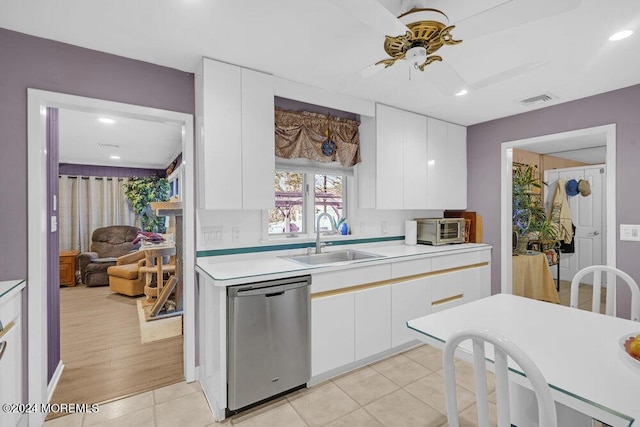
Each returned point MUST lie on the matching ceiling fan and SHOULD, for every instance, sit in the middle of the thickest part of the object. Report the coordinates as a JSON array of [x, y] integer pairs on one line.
[[421, 30]]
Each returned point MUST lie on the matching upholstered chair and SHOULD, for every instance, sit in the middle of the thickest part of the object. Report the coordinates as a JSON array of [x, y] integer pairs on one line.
[[125, 277], [107, 244]]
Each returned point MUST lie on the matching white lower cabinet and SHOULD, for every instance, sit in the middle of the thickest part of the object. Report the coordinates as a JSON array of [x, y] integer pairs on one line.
[[372, 321], [409, 300], [332, 332], [368, 313], [10, 357]]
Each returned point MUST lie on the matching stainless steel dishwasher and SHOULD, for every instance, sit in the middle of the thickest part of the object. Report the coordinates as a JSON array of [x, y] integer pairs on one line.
[[268, 339]]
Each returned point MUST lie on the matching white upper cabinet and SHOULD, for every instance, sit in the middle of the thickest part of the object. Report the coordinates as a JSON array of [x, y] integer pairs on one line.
[[394, 158], [446, 165], [410, 161], [390, 158], [415, 161], [235, 137]]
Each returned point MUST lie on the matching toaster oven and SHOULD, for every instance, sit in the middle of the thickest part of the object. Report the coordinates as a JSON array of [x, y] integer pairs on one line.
[[440, 231]]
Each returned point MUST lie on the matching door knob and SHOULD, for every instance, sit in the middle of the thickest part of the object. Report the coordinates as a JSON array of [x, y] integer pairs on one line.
[[595, 233]]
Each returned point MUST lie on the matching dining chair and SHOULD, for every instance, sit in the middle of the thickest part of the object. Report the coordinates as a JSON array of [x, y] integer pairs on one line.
[[613, 272], [503, 349]]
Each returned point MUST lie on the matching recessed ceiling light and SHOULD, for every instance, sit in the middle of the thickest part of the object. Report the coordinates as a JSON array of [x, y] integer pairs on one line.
[[462, 92], [115, 157], [620, 35], [106, 120]]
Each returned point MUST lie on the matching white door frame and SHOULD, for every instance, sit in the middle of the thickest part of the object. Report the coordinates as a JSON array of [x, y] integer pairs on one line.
[[38, 101], [506, 194]]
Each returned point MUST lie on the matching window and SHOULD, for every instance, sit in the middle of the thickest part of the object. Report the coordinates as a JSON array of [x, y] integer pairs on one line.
[[301, 197]]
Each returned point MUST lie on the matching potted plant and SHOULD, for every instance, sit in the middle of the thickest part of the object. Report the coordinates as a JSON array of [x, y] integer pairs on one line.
[[529, 217], [141, 191]]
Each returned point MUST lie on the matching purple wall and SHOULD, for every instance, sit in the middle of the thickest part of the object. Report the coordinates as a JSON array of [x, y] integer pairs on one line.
[[31, 62], [109, 171], [621, 107], [53, 246], [27, 61]]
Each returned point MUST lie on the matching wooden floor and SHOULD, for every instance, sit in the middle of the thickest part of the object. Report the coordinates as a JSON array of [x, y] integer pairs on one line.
[[101, 349]]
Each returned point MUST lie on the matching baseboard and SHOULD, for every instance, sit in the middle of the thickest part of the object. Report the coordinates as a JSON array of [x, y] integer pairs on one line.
[[54, 380]]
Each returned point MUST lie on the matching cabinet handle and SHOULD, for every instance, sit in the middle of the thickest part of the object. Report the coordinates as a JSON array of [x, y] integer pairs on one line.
[[6, 329], [3, 347]]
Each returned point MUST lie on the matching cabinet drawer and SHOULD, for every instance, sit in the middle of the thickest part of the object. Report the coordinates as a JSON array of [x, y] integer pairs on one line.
[[10, 308], [460, 260], [346, 278], [410, 268]]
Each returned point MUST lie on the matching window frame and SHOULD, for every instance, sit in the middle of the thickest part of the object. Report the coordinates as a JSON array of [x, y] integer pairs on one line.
[[309, 197]]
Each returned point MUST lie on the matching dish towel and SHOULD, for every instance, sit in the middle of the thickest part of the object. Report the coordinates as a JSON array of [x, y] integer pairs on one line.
[[560, 213]]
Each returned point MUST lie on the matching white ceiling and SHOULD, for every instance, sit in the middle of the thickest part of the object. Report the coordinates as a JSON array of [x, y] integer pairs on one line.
[[316, 42], [139, 143]]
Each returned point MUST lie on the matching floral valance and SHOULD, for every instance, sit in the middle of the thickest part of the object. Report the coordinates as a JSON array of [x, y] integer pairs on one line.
[[318, 137]]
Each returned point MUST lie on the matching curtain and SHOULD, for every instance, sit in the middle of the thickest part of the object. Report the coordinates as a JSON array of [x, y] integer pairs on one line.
[[301, 134], [87, 203]]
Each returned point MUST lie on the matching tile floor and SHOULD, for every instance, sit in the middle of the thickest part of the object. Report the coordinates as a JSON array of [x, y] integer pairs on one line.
[[403, 390], [406, 390]]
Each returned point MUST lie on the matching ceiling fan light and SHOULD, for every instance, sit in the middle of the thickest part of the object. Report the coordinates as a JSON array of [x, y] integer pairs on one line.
[[462, 92], [620, 35], [416, 55]]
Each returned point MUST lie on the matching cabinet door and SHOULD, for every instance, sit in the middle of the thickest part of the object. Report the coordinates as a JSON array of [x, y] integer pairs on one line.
[[409, 300], [478, 283], [389, 158], [437, 163], [220, 154], [258, 140], [332, 332], [372, 321], [449, 289], [457, 166], [11, 372], [415, 161]]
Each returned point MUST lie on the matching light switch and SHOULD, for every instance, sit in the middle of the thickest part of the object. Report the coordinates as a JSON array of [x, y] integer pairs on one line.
[[54, 224], [630, 232]]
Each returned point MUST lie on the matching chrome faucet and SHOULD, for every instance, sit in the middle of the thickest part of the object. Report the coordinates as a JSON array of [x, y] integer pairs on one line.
[[318, 245]]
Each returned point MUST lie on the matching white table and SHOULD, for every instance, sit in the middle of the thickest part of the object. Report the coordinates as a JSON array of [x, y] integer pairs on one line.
[[577, 351]]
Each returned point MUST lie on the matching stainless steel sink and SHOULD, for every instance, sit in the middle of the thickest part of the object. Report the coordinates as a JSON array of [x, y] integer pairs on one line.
[[332, 257]]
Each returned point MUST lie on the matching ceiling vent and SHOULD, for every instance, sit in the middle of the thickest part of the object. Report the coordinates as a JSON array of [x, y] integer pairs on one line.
[[538, 99]]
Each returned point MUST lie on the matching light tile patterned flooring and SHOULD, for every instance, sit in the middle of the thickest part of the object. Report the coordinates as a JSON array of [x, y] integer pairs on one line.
[[406, 390]]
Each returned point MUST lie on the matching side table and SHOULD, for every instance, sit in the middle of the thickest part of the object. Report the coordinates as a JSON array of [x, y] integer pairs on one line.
[[68, 267]]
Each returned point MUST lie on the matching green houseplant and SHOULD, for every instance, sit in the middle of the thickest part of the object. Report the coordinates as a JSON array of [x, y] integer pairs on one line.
[[141, 191], [529, 217]]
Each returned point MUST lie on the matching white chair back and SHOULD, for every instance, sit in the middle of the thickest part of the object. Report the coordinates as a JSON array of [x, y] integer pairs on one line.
[[503, 349], [612, 274]]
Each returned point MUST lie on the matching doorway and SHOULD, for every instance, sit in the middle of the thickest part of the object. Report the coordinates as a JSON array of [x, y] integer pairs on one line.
[[40, 389], [106, 349], [572, 140]]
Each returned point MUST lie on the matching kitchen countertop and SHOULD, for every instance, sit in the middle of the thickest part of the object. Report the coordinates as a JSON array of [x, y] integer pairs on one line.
[[10, 287], [275, 267]]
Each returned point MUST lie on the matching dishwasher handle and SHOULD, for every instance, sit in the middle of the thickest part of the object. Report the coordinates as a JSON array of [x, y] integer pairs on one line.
[[274, 294], [269, 289]]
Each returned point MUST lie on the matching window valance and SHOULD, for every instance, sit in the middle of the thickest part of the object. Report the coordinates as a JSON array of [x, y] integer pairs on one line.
[[324, 139]]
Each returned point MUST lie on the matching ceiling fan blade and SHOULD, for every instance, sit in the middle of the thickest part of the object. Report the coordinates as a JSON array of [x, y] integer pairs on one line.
[[510, 14], [372, 14], [445, 78], [508, 74]]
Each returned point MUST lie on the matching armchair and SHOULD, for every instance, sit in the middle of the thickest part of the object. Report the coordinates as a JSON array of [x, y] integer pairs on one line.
[[125, 277], [107, 244]]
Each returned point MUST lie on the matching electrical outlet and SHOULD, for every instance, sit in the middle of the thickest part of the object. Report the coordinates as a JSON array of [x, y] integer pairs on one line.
[[630, 232], [235, 234]]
